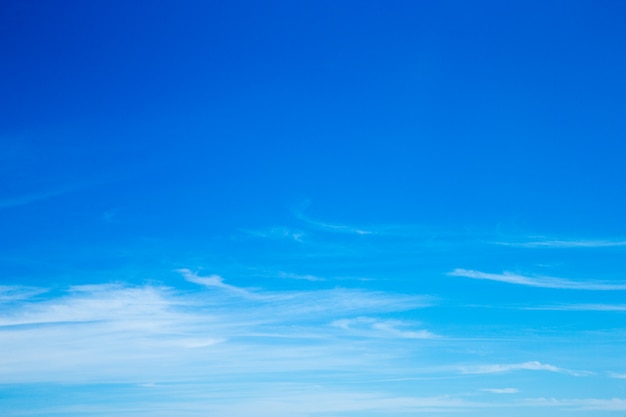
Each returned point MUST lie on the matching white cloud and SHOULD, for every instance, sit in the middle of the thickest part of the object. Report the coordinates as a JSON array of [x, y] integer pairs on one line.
[[501, 390], [96, 333], [146, 334], [617, 375], [542, 282], [581, 307], [91, 303], [278, 233], [556, 243], [336, 228], [525, 366], [371, 327], [9, 293], [308, 277], [322, 302], [212, 281], [599, 404]]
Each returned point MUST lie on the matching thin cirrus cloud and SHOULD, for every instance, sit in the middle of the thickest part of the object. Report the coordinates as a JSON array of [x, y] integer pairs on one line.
[[307, 277], [541, 282], [212, 281], [277, 233], [9, 293], [329, 227], [581, 307], [501, 390], [322, 301], [525, 366], [382, 328], [559, 243], [599, 404]]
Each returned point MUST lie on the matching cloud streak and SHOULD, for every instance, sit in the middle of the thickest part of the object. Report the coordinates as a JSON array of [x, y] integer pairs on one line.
[[599, 404], [11, 293], [581, 307], [525, 366], [501, 390], [329, 227], [565, 244], [540, 282], [26, 199], [368, 326], [212, 281], [278, 233]]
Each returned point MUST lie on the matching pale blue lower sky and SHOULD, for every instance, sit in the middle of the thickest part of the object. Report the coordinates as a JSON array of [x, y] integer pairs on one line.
[[317, 318]]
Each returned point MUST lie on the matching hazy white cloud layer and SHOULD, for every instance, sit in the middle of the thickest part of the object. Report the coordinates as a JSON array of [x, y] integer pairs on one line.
[[253, 344], [115, 332]]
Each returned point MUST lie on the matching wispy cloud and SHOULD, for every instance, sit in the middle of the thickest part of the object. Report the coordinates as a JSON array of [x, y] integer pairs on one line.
[[541, 282], [278, 233], [24, 199], [212, 281], [315, 301], [581, 307], [117, 332], [501, 390], [617, 375], [330, 227], [307, 277], [91, 303], [599, 404], [525, 366], [558, 243], [9, 293], [382, 328]]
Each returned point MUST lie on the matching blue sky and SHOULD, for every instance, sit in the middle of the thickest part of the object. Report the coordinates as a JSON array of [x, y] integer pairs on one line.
[[312, 209]]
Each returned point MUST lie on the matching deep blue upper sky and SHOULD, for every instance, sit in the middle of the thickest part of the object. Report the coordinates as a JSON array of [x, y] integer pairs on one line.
[[512, 110]]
